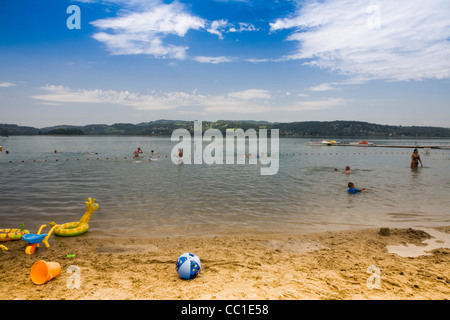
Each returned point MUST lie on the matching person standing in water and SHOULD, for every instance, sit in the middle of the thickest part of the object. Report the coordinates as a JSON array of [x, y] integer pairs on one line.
[[415, 159]]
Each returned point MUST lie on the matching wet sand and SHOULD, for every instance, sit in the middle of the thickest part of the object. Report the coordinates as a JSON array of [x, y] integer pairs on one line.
[[329, 265]]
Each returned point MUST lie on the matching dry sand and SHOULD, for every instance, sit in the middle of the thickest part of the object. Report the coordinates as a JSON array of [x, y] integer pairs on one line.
[[330, 265]]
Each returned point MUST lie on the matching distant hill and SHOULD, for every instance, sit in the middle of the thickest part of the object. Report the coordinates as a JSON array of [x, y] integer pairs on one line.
[[305, 129], [65, 131], [15, 130]]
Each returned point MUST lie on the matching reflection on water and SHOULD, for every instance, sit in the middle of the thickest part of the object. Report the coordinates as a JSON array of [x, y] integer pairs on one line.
[[157, 197]]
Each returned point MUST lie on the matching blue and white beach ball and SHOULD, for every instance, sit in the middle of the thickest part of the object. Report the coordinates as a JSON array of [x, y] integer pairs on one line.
[[188, 266]]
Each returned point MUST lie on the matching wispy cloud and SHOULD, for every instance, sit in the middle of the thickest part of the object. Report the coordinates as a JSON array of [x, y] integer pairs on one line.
[[145, 26], [322, 87], [251, 94], [219, 27], [391, 40], [6, 84], [213, 60], [145, 32], [253, 60], [154, 101], [245, 101]]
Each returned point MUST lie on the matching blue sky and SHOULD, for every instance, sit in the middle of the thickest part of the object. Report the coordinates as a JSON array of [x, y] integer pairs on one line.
[[385, 62]]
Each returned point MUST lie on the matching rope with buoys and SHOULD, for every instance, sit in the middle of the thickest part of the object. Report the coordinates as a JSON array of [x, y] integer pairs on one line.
[[87, 159], [282, 155]]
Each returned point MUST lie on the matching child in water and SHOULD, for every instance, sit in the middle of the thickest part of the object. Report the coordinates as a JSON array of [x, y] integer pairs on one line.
[[352, 189]]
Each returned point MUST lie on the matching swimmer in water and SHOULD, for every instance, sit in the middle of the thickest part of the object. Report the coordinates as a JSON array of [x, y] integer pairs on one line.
[[352, 189], [347, 170]]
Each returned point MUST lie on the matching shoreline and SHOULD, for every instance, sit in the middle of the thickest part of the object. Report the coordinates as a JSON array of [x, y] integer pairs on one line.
[[330, 265]]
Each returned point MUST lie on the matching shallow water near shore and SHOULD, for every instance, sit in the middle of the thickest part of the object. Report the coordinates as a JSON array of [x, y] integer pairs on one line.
[[155, 197]]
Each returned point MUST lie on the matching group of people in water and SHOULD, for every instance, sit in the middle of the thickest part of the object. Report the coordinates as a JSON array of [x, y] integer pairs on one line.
[[138, 152], [347, 170], [415, 160], [351, 185]]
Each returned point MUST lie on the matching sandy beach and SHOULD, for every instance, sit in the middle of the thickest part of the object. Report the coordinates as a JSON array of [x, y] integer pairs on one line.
[[323, 266]]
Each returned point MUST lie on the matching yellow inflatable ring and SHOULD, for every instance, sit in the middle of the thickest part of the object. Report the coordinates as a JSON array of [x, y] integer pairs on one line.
[[71, 229], [78, 227]]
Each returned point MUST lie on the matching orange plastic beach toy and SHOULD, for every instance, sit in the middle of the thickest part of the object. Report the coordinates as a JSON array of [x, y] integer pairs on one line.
[[42, 271]]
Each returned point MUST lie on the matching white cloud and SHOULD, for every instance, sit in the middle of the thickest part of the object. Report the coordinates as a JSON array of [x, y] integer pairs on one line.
[[144, 26], [6, 84], [251, 94], [391, 40], [213, 60], [145, 32], [243, 26], [218, 27], [252, 60], [245, 101], [119, 44], [153, 101], [224, 59], [322, 87]]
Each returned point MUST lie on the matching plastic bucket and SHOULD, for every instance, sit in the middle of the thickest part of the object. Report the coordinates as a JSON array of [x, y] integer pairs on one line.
[[43, 271]]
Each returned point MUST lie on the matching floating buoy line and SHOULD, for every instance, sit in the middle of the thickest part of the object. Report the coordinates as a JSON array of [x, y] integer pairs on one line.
[[281, 155]]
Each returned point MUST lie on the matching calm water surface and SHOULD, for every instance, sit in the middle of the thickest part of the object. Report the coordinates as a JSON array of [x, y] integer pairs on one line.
[[159, 198]]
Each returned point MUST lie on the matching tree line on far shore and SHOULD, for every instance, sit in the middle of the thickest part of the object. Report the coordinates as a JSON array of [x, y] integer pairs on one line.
[[305, 129]]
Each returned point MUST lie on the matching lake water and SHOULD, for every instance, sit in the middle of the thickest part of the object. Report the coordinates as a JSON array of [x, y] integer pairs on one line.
[[160, 198]]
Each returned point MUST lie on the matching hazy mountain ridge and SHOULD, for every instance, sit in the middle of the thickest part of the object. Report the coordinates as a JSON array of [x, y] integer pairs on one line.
[[306, 129]]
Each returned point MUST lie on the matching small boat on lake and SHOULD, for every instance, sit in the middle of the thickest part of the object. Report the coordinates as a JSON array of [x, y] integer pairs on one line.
[[322, 143], [361, 143]]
